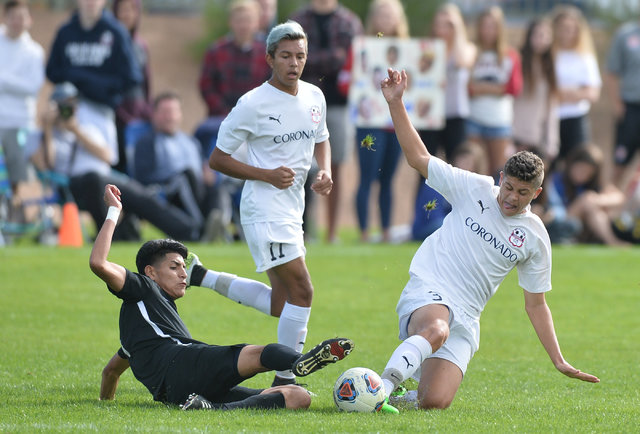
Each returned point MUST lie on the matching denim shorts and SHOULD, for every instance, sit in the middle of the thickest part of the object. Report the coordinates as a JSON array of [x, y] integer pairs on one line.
[[475, 129]]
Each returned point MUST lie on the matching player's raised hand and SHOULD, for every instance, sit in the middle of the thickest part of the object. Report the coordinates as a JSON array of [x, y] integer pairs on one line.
[[281, 177], [572, 372], [112, 196], [323, 183], [394, 85]]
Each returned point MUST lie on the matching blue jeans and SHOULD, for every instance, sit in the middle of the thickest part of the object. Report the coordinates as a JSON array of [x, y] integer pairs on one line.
[[377, 164]]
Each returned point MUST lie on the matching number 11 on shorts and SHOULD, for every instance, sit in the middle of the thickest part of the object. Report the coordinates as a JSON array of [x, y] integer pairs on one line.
[[273, 257]]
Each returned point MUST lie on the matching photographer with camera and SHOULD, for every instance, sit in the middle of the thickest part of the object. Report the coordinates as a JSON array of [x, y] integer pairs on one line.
[[73, 145]]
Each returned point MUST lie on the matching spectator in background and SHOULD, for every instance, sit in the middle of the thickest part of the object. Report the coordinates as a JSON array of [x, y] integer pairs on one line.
[[232, 66], [135, 103], [448, 25], [387, 17], [496, 78], [74, 146], [93, 51], [578, 77], [578, 196], [21, 77], [330, 28], [535, 123], [623, 80], [268, 17]]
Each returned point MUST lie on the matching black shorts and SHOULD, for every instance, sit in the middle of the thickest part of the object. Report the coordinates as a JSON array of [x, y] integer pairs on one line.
[[208, 370], [627, 135]]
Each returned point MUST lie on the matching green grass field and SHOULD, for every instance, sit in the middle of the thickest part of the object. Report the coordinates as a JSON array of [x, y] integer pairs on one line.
[[59, 326]]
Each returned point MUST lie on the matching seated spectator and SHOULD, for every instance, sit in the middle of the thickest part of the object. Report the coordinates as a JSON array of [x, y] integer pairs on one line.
[[73, 146], [135, 103], [626, 225], [578, 201], [232, 66], [21, 77], [169, 158]]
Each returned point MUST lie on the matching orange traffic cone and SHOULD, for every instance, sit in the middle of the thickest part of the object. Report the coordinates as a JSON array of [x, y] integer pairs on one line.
[[70, 233]]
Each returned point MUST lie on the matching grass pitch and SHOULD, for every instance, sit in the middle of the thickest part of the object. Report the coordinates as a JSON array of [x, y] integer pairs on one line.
[[59, 327]]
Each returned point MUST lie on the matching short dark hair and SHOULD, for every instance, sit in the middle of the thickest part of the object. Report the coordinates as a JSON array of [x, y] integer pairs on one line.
[[13, 4], [153, 251], [525, 166], [166, 95]]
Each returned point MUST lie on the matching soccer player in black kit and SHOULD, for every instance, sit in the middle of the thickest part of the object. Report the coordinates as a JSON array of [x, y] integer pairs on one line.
[[163, 356]]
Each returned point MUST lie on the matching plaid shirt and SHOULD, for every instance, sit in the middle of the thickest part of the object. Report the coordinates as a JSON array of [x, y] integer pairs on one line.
[[228, 72], [329, 48]]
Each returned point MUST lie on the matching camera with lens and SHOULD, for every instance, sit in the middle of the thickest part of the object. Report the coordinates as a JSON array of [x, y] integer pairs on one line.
[[66, 109]]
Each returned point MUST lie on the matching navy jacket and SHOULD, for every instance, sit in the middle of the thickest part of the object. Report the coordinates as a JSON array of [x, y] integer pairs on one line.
[[100, 62]]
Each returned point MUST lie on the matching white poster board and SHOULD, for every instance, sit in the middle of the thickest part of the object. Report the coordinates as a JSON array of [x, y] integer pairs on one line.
[[425, 63]]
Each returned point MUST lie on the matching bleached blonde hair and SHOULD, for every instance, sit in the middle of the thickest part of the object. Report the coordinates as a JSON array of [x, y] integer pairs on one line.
[[402, 28]]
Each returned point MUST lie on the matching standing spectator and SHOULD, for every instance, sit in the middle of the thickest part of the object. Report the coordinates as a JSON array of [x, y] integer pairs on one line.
[[535, 123], [496, 78], [268, 17], [448, 25], [21, 77], [330, 27], [623, 64], [74, 146], [93, 51], [578, 194], [386, 17], [283, 125], [578, 77], [232, 66], [135, 104]]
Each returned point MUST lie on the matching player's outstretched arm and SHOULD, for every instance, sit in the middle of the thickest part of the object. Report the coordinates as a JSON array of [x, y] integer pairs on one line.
[[393, 88], [281, 177], [542, 321], [111, 376], [112, 274]]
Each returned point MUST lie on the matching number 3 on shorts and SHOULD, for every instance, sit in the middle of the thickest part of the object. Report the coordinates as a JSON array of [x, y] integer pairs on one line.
[[280, 254], [435, 296]]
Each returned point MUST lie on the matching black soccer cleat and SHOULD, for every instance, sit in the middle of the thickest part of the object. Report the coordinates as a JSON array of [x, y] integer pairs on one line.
[[197, 402], [329, 351]]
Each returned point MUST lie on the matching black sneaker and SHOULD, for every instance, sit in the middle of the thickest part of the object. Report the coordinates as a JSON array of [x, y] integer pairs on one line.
[[329, 351], [197, 402]]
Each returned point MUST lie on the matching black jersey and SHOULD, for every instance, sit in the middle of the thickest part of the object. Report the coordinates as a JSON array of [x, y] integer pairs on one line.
[[151, 330]]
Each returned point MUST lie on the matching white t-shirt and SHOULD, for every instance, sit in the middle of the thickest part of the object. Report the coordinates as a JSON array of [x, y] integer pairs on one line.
[[576, 70], [279, 129], [477, 246]]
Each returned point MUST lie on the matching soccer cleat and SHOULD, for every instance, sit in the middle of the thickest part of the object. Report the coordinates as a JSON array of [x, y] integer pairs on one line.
[[409, 400], [191, 261], [385, 407], [329, 351], [399, 392], [197, 402]]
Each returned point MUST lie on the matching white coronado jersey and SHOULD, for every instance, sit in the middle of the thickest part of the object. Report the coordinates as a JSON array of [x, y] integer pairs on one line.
[[477, 246], [279, 129]]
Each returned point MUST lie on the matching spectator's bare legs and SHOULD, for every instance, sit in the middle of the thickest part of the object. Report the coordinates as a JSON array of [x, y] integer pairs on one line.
[[587, 208], [333, 204]]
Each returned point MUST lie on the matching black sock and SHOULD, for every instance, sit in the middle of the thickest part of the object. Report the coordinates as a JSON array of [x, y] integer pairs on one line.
[[278, 357], [197, 274], [265, 401]]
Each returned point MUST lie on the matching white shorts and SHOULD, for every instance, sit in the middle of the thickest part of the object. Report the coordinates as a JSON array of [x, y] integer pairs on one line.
[[275, 243], [464, 330]]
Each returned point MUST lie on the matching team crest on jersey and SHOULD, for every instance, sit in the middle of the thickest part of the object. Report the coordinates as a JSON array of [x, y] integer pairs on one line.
[[316, 114], [517, 237]]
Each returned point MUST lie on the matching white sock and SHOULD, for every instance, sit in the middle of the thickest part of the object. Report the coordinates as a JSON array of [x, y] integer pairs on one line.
[[404, 361], [292, 330], [244, 291]]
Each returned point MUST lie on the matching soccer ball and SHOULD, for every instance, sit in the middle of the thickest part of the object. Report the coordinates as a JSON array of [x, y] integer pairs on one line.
[[359, 389]]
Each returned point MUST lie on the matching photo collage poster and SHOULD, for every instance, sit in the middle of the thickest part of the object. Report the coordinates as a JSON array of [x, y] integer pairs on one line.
[[425, 63]]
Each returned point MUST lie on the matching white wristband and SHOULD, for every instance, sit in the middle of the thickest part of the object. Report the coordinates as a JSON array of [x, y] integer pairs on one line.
[[113, 213]]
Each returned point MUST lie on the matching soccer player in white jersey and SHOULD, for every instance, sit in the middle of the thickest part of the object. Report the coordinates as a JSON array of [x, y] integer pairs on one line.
[[283, 124], [459, 267]]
